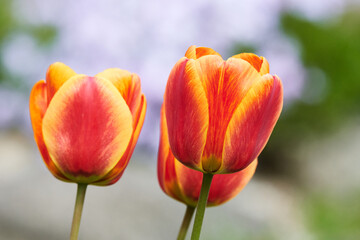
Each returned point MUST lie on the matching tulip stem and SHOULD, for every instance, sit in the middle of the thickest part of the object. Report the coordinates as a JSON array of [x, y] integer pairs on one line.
[[79, 203], [200, 209], [186, 222]]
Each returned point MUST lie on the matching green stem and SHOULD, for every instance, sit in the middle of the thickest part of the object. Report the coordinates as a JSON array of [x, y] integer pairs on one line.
[[186, 222], [79, 203], [200, 209]]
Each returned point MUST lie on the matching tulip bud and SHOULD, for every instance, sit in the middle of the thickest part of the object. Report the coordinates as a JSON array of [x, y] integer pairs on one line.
[[220, 114], [86, 127]]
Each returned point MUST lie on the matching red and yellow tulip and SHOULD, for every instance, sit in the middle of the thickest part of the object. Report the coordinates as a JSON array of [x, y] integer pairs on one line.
[[184, 184], [220, 114], [86, 127]]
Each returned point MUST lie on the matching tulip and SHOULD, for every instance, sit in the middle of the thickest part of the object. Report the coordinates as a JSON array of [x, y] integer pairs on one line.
[[220, 114], [86, 127], [184, 184]]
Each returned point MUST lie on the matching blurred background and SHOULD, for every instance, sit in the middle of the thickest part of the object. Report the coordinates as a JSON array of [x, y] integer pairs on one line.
[[307, 182]]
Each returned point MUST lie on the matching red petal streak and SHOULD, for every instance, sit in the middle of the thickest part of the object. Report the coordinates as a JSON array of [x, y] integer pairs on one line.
[[225, 83], [186, 110], [252, 124], [87, 128], [38, 105]]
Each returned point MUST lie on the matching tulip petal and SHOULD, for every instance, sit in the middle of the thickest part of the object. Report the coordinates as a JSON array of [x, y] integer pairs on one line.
[[184, 184], [128, 85], [38, 106], [252, 123], [259, 63], [226, 84], [87, 128], [187, 113], [194, 52], [224, 187], [114, 175], [166, 163], [57, 74], [163, 150], [189, 182]]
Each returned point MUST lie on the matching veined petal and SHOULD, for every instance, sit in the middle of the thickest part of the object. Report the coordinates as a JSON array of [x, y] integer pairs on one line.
[[163, 150], [252, 124], [194, 52], [226, 84], [184, 184], [128, 85], [187, 113], [57, 74], [87, 128], [38, 106], [259, 63], [225, 187], [114, 175], [189, 182], [166, 163]]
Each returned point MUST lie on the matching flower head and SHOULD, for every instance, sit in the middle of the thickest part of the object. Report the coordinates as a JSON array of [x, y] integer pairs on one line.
[[86, 127], [220, 114]]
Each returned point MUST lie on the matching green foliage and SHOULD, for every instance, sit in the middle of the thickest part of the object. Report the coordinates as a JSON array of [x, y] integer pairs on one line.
[[332, 219], [331, 52], [6, 25], [44, 34], [242, 48], [10, 24], [335, 50]]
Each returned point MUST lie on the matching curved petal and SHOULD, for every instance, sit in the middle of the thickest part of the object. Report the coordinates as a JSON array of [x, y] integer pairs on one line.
[[194, 52], [114, 175], [225, 83], [187, 113], [128, 85], [57, 74], [184, 184], [87, 128], [259, 63], [225, 187], [189, 182], [166, 163], [252, 124], [38, 106]]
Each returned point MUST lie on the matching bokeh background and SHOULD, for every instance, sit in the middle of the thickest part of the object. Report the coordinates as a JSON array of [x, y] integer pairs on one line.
[[307, 182]]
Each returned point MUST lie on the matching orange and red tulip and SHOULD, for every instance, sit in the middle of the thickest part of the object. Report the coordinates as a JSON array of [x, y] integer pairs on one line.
[[184, 184], [86, 127], [220, 114]]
